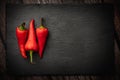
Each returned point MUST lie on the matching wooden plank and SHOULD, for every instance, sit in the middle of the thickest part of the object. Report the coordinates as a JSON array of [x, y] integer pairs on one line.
[[109, 1], [2, 37]]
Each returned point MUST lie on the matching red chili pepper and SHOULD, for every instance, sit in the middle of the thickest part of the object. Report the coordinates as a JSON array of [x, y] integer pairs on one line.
[[21, 34], [31, 44], [42, 34]]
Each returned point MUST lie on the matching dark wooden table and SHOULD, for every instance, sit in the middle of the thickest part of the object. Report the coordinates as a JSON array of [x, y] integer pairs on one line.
[[5, 76]]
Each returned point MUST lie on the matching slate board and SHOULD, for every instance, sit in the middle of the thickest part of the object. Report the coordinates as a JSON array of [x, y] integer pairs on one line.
[[80, 39]]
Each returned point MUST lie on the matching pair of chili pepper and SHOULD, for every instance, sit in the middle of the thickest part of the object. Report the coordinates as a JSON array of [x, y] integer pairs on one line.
[[28, 39]]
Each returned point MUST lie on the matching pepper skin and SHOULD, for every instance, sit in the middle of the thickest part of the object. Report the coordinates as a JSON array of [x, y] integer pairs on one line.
[[31, 44], [42, 33], [21, 34]]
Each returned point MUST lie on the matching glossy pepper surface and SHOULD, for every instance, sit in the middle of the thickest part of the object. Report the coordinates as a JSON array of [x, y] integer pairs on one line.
[[21, 34], [31, 44], [42, 33]]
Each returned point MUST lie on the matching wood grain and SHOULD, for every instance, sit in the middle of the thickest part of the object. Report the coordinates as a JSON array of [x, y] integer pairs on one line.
[[5, 76]]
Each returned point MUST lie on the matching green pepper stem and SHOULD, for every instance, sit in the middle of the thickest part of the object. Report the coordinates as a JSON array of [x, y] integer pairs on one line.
[[31, 59], [22, 26], [41, 21]]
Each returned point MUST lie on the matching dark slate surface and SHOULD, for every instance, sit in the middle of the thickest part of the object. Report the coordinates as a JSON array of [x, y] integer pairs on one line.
[[80, 39]]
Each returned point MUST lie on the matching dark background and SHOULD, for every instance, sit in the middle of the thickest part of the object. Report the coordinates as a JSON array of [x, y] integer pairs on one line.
[[80, 41], [4, 75]]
